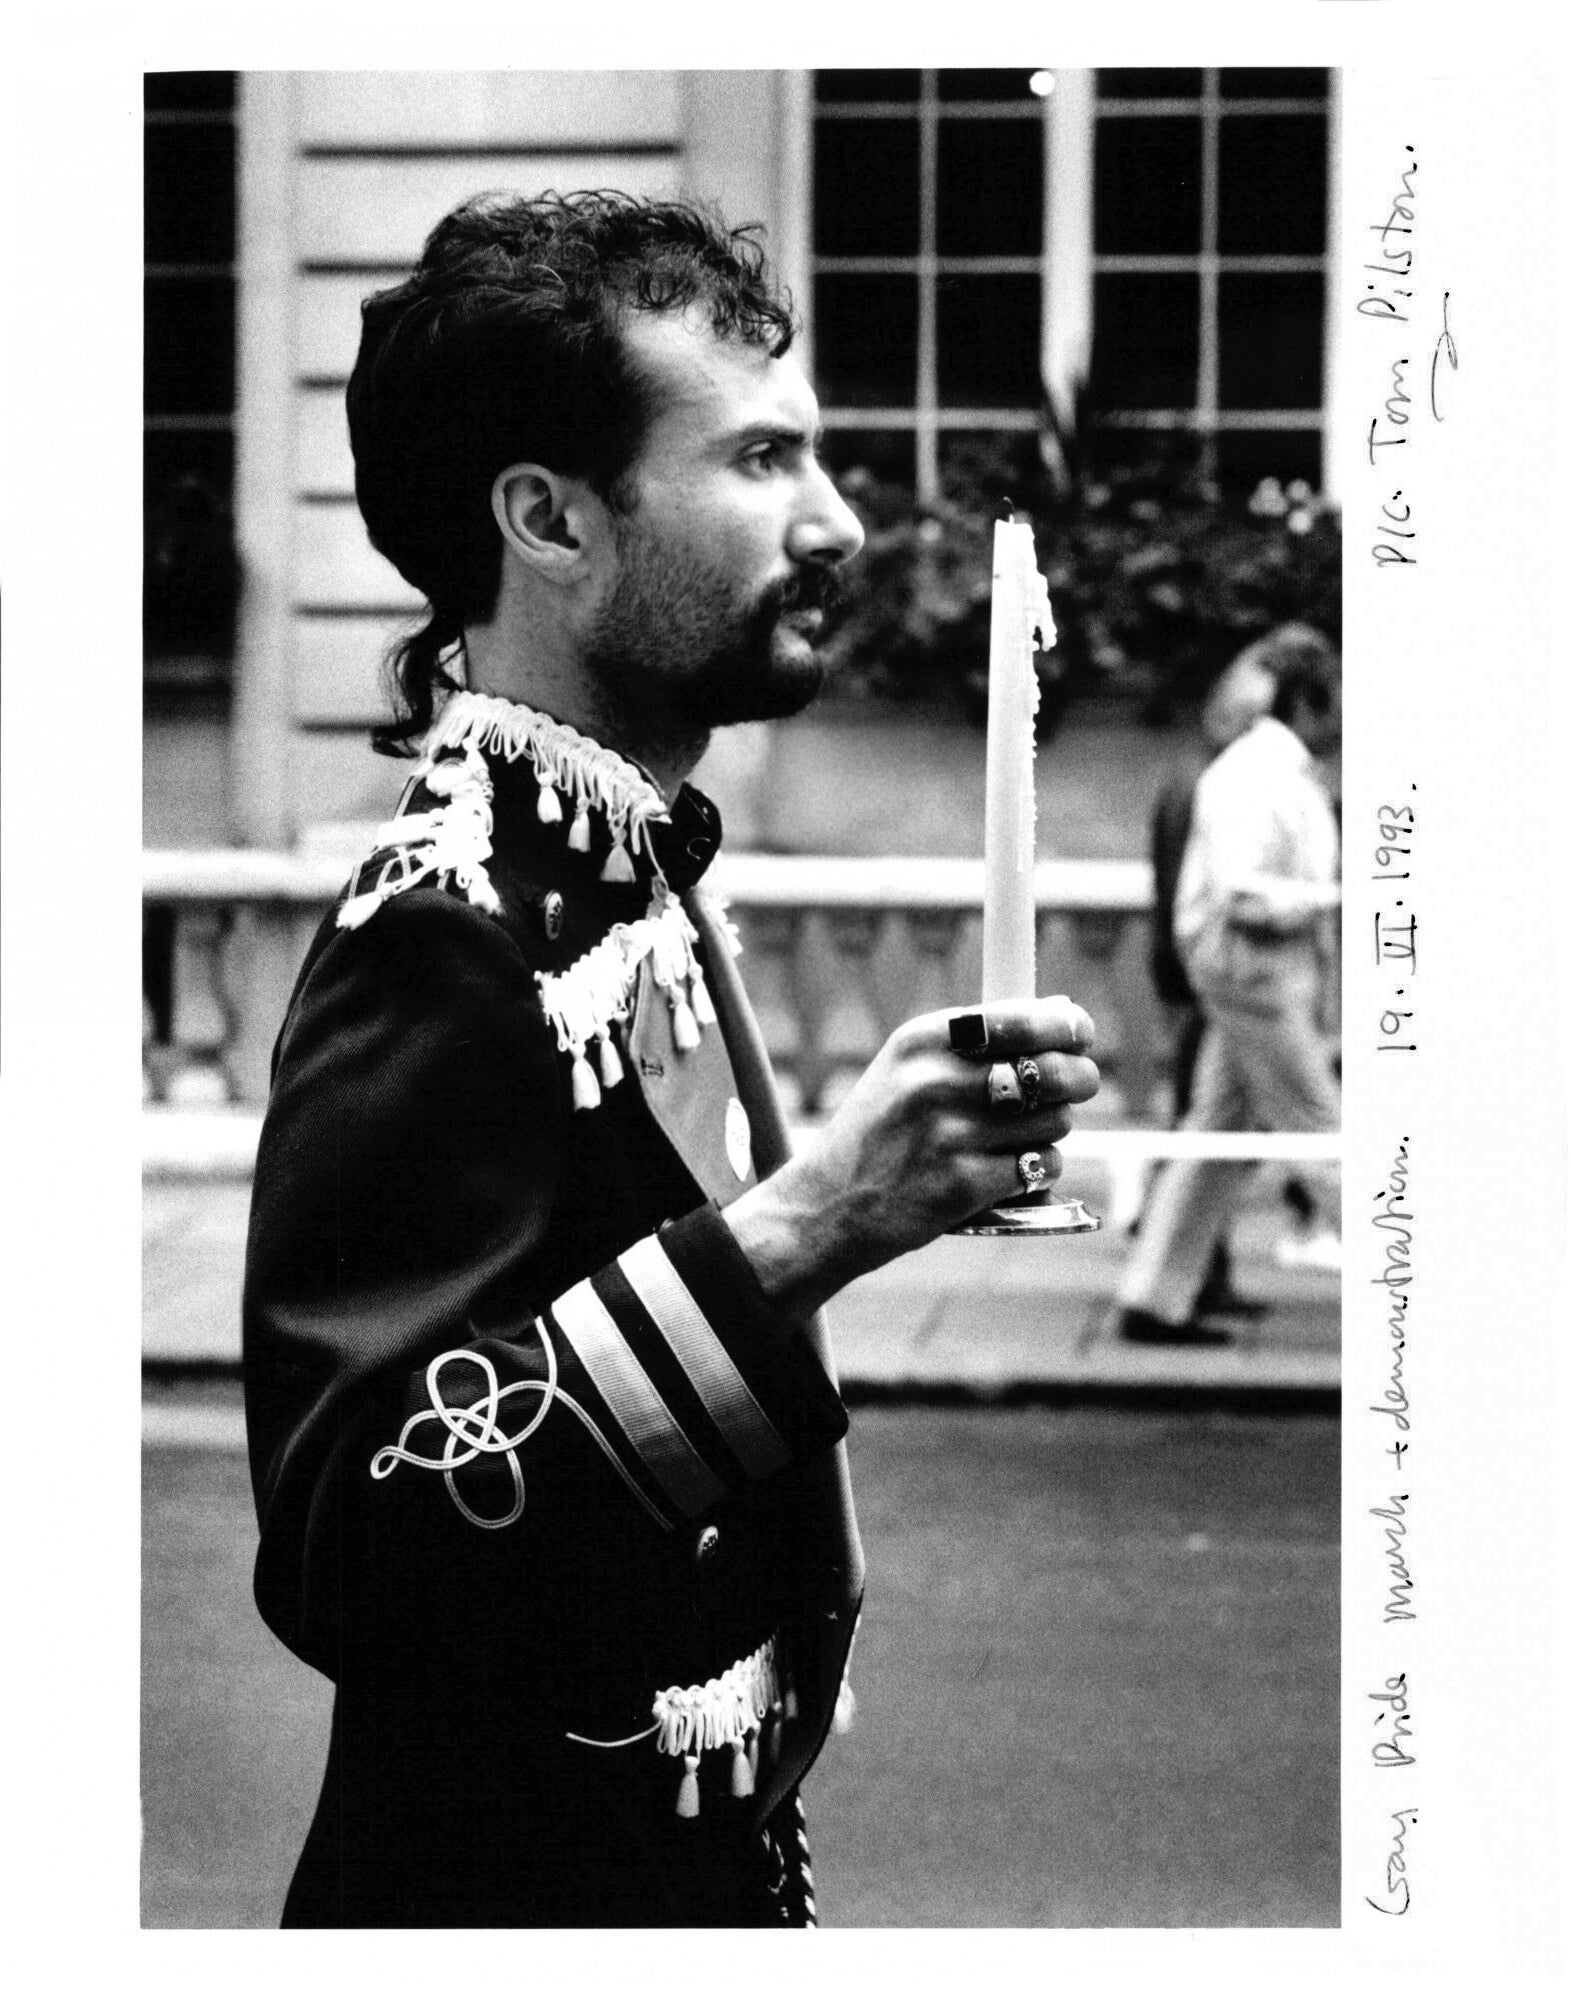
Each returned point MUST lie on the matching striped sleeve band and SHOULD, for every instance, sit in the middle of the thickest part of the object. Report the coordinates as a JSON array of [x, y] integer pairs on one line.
[[702, 1386]]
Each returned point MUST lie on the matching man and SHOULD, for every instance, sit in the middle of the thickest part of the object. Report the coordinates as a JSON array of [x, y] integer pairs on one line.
[[543, 1422], [1259, 876], [1240, 697]]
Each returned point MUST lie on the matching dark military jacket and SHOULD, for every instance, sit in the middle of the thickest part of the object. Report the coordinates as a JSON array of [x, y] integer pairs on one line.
[[544, 1480]]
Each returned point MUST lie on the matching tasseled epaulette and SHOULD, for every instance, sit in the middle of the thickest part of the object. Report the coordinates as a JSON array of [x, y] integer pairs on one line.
[[448, 844], [728, 1713], [596, 992], [568, 766]]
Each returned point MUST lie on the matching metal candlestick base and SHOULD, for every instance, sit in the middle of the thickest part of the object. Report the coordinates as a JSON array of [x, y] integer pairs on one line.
[[1045, 1214]]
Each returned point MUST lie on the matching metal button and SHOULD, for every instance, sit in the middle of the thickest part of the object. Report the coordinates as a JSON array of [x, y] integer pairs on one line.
[[553, 914], [708, 1541]]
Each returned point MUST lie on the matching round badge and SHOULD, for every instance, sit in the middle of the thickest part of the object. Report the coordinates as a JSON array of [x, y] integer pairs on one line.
[[738, 1139], [553, 912]]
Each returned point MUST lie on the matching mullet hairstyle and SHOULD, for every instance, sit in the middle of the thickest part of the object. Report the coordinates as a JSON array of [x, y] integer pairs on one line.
[[504, 346]]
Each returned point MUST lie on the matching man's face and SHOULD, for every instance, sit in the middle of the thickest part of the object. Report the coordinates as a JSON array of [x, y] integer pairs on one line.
[[729, 552]]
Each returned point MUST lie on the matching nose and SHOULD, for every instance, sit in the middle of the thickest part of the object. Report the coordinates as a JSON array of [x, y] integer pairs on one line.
[[824, 528]]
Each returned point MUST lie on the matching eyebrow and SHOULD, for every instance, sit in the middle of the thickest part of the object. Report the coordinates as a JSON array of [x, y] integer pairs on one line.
[[778, 433]]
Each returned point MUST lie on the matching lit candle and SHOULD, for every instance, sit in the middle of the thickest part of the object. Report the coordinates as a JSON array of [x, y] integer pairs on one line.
[[1022, 623]]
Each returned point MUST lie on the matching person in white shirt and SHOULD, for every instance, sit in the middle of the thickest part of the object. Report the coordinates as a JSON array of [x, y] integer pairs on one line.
[[1259, 879]]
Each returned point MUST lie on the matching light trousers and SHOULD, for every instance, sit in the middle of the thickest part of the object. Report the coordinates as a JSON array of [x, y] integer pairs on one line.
[[1257, 1071]]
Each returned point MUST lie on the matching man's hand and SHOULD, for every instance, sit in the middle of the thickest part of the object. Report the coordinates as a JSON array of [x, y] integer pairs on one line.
[[916, 1147]]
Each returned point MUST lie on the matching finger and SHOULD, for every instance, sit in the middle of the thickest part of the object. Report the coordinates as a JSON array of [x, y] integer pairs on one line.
[[1021, 1135], [1064, 1079], [1013, 1028]]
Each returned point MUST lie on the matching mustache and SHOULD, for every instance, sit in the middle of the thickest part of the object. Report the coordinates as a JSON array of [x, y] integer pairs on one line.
[[811, 588]]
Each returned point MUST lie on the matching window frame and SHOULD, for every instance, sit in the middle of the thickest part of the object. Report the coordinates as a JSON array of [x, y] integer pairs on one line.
[[1069, 263]]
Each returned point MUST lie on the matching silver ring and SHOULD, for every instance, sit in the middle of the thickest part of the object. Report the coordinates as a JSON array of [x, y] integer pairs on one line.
[[1004, 1092], [1031, 1085], [1032, 1169]]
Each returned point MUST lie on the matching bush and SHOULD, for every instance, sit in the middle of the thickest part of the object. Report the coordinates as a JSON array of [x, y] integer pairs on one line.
[[1157, 577]]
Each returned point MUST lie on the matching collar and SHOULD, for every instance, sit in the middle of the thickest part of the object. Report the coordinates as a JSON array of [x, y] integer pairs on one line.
[[579, 780], [1274, 739]]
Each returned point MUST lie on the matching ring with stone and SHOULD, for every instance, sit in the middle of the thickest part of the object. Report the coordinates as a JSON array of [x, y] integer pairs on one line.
[[968, 1034], [1004, 1091], [1031, 1085], [1032, 1169]]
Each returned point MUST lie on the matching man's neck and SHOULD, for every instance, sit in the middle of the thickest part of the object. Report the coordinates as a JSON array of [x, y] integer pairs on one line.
[[552, 679]]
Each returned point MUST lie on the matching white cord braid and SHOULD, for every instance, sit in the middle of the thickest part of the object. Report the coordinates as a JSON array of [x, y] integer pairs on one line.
[[471, 1431], [475, 1427]]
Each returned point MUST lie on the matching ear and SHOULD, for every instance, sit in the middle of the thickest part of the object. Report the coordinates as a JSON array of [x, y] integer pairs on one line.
[[545, 520]]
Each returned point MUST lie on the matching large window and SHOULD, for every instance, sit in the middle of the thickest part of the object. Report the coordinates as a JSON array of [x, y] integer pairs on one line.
[[188, 395], [927, 265], [1209, 198], [1201, 268]]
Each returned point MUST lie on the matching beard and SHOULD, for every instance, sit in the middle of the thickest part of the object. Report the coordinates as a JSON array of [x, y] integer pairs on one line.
[[677, 647]]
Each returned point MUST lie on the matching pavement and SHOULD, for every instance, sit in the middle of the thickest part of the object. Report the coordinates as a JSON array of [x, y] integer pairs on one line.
[[1097, 1679], [966, 1318]]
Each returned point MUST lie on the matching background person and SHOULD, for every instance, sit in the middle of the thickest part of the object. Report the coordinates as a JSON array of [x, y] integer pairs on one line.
[[1242, 694], [1258, 879]]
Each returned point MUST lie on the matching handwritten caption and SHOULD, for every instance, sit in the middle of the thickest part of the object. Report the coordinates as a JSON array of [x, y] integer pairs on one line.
[[1388, 303], [1392, 1746]]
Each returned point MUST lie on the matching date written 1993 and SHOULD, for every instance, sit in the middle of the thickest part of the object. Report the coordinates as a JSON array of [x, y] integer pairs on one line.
[[1396, 928]]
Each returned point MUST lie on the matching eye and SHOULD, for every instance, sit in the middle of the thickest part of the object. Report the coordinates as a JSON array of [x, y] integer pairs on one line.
[[763, 457]]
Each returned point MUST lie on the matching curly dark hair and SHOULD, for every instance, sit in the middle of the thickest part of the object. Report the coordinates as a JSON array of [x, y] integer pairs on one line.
[[505, 344]]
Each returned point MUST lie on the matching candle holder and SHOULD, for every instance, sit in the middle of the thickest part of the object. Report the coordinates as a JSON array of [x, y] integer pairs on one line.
[[1045, 1214]]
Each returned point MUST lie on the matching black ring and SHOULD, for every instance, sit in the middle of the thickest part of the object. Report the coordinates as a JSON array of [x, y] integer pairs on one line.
[[1031, 1085], [968, 1034]]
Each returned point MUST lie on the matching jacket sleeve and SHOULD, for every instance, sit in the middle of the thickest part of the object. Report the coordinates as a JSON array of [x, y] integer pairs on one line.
[[398, 1272]]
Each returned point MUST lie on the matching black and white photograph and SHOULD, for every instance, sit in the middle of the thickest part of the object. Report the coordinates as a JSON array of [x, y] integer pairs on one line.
[[831, 1213]]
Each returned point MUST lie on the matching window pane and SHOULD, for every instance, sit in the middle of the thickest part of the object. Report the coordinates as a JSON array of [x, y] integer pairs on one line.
[[188, 90], [1148, 186], [1148, 83], [990, 187], [173, 460], [1272, 327], [865, 188], [189, 194], [868, 86], [1274, 82], [985, 86], [984, 468], [864, 340], [189, 580], [889, 456], [1146, 351], [188, 364], [1273, 186], [1244, 458], [989, 341]]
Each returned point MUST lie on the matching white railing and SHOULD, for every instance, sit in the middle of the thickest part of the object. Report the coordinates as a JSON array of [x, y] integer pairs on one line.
[[837, 952]]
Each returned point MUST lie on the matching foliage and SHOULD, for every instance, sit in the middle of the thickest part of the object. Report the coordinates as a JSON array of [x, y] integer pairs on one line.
[[1157, 576]]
